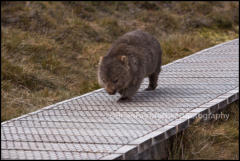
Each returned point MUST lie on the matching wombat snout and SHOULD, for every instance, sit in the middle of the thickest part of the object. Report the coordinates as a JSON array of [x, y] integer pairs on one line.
[[111, 91]]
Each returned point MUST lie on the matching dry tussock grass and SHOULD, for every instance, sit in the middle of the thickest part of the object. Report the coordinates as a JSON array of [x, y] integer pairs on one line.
[[213, 139], [50, 50]]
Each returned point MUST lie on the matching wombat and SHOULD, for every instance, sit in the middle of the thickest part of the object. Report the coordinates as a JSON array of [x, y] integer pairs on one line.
[[132, 57]]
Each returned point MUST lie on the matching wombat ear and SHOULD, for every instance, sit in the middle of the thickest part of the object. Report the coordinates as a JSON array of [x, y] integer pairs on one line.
[[124, 59], [100, 60]]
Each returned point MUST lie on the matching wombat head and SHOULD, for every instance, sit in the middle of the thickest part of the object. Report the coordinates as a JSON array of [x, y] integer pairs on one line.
[[114, 73]]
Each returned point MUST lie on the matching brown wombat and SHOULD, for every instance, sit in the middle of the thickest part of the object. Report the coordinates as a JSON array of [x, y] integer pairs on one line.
[[132, 57]]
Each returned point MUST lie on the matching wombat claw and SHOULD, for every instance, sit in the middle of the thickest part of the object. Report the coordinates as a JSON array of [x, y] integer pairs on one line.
[[149, 89], [124, 99]]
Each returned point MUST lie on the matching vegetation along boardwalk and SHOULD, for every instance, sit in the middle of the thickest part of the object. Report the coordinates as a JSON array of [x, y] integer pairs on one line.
[[96, 126]]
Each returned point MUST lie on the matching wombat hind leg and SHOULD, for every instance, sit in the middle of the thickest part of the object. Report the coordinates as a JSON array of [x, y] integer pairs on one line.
[[153, 78]]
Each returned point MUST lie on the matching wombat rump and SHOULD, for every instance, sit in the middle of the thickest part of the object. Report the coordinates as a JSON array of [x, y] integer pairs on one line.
[[132, 57]]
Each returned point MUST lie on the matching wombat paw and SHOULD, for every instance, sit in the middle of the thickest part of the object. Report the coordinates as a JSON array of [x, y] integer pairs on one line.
[[124, 99], [149, 89]]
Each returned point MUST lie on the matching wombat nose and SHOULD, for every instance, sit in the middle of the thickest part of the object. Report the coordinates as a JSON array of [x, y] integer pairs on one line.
[[111, 92]]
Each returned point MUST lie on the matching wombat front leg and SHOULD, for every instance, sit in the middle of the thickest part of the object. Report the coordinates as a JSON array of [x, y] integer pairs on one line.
[[128, 92], [153, 78]]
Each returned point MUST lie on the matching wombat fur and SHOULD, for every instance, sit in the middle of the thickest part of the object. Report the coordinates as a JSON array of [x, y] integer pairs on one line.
[[132, 57]]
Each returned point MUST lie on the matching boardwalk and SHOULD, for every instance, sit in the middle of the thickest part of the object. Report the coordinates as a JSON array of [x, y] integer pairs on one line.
[[96, 126]]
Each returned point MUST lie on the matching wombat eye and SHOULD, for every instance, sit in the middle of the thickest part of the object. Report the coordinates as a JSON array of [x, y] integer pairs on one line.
[[115, 81]]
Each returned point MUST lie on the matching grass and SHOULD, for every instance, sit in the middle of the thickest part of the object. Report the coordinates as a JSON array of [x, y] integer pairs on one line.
[[214, 139], [62, 47]]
